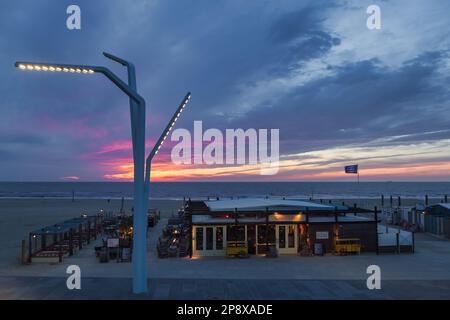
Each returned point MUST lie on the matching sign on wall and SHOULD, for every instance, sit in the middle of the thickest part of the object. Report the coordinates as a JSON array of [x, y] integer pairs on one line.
[[322, 235], [113, 242]]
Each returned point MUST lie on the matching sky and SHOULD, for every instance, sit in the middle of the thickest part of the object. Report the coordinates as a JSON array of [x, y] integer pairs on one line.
[[339, 92]]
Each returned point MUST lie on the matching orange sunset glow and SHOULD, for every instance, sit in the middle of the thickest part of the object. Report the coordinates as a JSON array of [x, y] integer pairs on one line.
[[170, 172], [390, 162]]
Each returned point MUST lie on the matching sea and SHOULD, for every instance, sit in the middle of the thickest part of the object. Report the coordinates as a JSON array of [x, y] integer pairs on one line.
[[202, 190]]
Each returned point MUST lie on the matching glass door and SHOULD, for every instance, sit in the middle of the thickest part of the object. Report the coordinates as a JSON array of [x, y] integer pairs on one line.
[[281, 237], [286, 239], [251, 239], [209, 240]]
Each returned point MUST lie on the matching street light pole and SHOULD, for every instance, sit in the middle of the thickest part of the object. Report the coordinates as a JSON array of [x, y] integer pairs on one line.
[[138, 133], [141, 178], [137, 116], [132, 84]]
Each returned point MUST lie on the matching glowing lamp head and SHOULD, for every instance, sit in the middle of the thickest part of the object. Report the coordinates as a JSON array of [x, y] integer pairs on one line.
[[54, 68], [171, 124]]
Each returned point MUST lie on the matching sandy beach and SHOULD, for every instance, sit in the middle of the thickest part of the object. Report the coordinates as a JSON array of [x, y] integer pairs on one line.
[[18, 217]]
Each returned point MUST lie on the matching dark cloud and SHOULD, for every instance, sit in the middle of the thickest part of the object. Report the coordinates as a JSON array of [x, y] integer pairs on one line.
[[299, 37], [361, 101], [20, 139], [215, 50], [295, 24], [315, 44]]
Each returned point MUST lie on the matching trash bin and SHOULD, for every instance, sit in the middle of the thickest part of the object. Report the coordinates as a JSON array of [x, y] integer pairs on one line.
[[126, 254], [272, 253], [318, 249]]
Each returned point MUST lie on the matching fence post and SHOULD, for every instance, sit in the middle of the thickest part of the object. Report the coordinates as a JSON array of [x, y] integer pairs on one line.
[[376, 230], [24, 257], [398, 241], [30, 248], [122, 202], [266, 235]]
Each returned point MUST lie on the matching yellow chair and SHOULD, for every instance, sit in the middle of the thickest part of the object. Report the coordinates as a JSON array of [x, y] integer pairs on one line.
[[236, 249], [347, 246]]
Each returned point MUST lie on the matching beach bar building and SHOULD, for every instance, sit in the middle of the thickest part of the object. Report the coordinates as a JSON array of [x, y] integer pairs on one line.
[[261, 225]]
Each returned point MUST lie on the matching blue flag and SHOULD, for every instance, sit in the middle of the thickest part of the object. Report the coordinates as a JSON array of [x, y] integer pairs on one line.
[[351, 169]]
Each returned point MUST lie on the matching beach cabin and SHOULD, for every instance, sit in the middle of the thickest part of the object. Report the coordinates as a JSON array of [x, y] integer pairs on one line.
[[256, 226], [437, 219]]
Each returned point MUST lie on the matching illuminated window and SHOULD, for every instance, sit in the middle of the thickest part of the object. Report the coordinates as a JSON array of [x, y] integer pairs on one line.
[[219, 238], [291, 236], [209, 238], [198, 238], [282, 236], [236, 233], [262, 234]]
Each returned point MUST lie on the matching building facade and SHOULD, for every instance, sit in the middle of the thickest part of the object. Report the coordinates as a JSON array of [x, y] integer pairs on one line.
[[289, 226]]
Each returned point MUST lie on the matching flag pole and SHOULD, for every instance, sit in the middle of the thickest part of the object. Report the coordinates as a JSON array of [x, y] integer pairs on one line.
[[357, 186]]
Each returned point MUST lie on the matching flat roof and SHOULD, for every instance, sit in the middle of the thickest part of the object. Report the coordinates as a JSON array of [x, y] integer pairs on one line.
[[345, 218], [258, 204], [445, 205], [289, 219], [57, 228], [63, 226]]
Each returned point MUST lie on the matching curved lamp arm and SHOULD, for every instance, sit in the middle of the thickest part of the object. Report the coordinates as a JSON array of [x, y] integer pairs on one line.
[[82, 69], [132, 84], [160, 142], [169, 127], [117, 59]]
